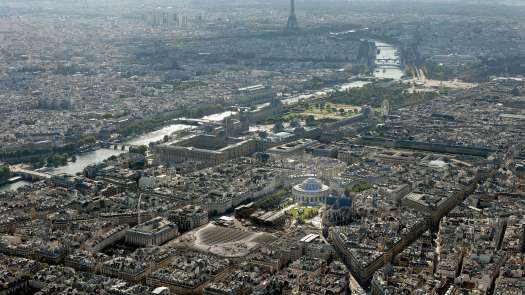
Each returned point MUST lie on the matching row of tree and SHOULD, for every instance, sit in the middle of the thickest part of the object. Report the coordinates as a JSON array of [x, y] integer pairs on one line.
[[5, 172], [374, 94]]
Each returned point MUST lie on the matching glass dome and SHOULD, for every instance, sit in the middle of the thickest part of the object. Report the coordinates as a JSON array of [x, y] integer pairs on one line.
[[312, 185]]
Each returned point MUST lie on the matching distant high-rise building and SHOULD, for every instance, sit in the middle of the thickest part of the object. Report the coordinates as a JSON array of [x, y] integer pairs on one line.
[[292, 19], [176, 19], [386, 108], [165, 19]]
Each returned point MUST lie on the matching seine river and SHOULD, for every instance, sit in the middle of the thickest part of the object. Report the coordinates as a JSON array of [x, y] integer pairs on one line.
[[387, 54], [388, 64]]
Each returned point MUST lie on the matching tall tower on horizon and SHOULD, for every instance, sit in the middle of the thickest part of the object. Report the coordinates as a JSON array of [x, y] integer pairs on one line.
[[292, 19]]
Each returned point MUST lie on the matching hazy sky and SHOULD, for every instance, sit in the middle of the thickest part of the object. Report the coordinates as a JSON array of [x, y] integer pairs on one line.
[[460, 7]]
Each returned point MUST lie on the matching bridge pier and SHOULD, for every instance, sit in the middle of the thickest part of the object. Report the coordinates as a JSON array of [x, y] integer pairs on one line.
[[30, 175]]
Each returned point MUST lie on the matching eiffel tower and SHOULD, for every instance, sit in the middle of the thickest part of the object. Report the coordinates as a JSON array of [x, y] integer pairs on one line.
[[292, 19]]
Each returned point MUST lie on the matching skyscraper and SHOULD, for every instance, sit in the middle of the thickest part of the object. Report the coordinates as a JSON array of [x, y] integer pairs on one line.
[[292, 19]]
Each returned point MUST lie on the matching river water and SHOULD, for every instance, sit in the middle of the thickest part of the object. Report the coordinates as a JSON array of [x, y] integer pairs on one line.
[[99, 155], [13, 186], [386, 53], [86, 159], [154, 136], [388, 65], [219, 116]]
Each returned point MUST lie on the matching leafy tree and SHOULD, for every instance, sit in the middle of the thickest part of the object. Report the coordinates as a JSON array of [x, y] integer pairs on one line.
[[357, 188], [5, 172], [56, 160], [87, 139], [515, 91], [263, 134], [310, 121], [374, 94], [295, 124], [142, 149], [278, 127]]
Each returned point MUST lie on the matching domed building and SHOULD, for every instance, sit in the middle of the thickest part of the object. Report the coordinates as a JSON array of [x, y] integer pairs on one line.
[[311, 192]]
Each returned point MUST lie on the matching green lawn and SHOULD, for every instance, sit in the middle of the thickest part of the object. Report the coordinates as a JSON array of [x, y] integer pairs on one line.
[[304, 213]]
